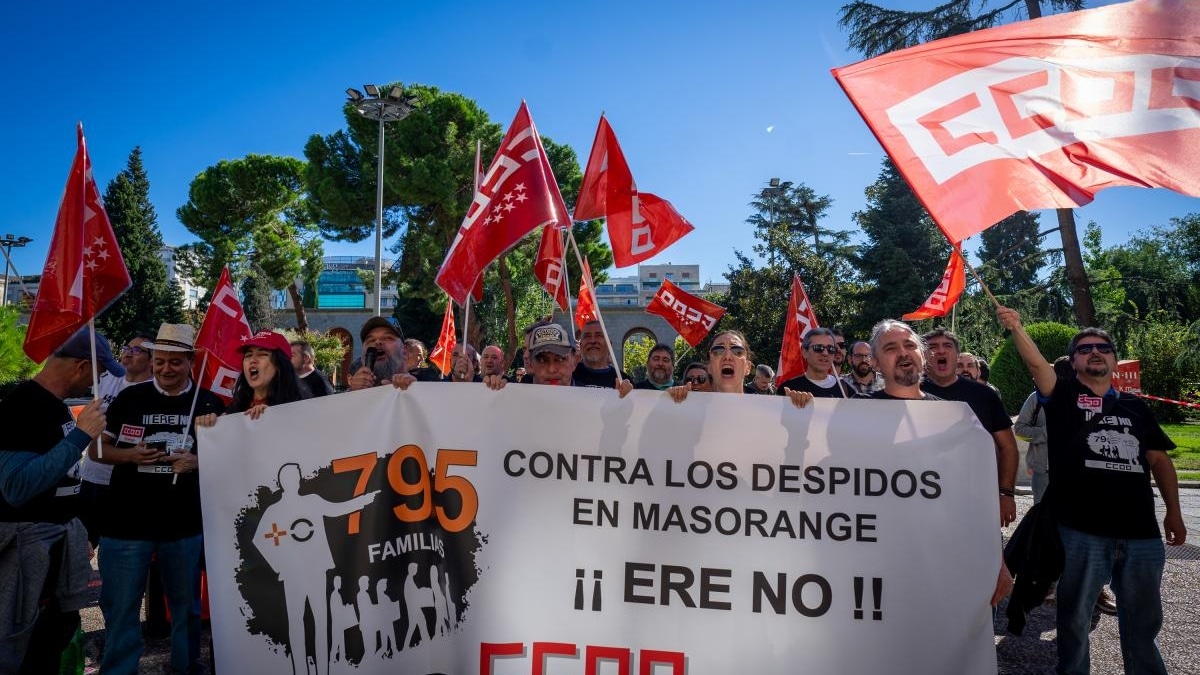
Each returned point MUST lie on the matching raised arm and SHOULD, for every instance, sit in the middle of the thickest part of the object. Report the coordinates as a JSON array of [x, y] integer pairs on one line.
[[1039, 367]]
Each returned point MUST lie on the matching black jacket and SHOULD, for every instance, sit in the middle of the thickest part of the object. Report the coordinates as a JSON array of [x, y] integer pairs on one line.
[[1034, 555]]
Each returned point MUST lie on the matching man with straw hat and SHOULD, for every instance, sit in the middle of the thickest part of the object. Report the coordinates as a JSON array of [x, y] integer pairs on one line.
[[154, 501]]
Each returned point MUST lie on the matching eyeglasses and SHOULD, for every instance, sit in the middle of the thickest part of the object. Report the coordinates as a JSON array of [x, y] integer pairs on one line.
[[719, 350], [1103, 348], [697, 379], [133, 350], [864, 357], [822, 349]]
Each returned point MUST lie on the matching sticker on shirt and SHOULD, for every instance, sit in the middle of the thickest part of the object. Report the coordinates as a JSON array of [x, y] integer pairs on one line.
[[1092, 404], [1113, 450], [131, 434]]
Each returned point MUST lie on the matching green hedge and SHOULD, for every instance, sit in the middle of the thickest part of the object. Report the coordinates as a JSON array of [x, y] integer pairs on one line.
[[1009, 373]]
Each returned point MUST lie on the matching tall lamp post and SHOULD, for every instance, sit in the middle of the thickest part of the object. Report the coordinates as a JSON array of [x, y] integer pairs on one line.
[[393, 107], [8, 243]]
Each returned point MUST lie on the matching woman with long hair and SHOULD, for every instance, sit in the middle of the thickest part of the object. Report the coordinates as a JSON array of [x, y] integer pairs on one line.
[[729, 361], [267, 377]]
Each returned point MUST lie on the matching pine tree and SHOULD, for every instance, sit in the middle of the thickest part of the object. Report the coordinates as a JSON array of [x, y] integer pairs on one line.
[[150, 301], [905, 254], [256, 298], [1012, 254]]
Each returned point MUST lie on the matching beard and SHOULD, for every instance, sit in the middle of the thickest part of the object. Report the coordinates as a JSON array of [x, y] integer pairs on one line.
[[1096, 369], [907, 378], [863, 369]]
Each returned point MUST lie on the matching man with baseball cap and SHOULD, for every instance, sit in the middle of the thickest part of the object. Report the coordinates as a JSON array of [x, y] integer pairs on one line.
[[382, 355], [43, 545], [155, 489]]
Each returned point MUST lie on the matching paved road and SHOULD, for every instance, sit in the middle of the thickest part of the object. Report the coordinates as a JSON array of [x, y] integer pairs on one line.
[[1033, 653]]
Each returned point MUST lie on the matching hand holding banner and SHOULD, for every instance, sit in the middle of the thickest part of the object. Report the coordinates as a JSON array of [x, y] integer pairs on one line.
[[692, 317]]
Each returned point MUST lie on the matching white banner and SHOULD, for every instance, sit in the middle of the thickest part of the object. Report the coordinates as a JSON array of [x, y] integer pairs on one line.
[[453, 529]]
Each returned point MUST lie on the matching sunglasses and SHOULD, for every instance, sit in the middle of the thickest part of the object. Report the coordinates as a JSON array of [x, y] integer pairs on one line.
[[1103, 348], [697, 379], [822, 349], [719, 350]]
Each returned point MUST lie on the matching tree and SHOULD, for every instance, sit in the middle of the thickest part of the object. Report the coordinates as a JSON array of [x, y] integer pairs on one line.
[[256, 297], [150, 301], [14, 364], [757, 301], [254, 205], [905, 254], [428, 185], [875, 30], [1012, 254]]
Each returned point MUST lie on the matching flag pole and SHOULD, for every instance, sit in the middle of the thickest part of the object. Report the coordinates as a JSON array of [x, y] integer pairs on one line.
[[583, 270], [95, 377], [192, 410], [979, 279]]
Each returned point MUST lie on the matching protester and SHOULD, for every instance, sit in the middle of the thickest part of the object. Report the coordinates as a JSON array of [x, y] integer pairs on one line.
[[150, 440], [1104, 446], [696, 377], [901, 357], [135, 358], [519, 374], [660, 368], [942, 382], [492, 361], [839, 357], [383, 354], [729, 361], [44, 567], [267, 378], [594, 368], [764, 379], [1031, 427], [304, 361], [464, 365], [820, 378], [967, 365], [862, 378]]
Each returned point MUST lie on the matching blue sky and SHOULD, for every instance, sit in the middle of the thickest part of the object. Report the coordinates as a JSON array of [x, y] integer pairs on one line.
[[691, 89]]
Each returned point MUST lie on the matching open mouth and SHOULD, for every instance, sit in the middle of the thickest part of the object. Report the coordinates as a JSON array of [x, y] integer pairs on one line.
[[726, 371]]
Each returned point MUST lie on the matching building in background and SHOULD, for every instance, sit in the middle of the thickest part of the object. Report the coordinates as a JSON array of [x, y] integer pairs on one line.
[[637, 291], [191, 292]]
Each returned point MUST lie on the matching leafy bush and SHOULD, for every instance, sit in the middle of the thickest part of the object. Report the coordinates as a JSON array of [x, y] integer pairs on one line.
[[328, 348], [14, 365], [1009, 373], [1167, 352]]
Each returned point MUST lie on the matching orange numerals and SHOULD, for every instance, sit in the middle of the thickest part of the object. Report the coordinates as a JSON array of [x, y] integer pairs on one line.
[[420, 485]]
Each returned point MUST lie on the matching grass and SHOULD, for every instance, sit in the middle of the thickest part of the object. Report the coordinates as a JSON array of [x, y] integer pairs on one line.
[[1187, 452]]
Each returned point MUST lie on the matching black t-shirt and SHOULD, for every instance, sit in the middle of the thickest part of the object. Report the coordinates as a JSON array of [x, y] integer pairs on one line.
[[427, 374], [883, 395], [1101, 480], [147, 503], [317, 384], [603, 379], [802, 383], [647, 384], [35, 420], [983, 400]]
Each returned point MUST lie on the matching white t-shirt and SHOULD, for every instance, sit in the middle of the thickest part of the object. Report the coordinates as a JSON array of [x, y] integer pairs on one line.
[[107, 389]]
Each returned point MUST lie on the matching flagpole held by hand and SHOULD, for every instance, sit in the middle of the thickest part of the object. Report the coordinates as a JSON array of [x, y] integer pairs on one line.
[[599, 316], [95, 378]]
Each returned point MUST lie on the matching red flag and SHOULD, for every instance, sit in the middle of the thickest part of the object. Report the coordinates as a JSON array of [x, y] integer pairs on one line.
[[691, 316], [84, 271], [517, 196], [640, 225], [585, 305], [1039, 114], [442, 355], [222, 332], [954, 280], [550, 267], [800, 320]]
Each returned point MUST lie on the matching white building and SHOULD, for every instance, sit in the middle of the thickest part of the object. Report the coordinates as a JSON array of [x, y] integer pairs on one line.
[[191, 292], [638, 291]]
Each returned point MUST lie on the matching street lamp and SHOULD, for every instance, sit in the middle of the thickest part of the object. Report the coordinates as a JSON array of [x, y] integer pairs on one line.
[[8, 243], [393, 107]]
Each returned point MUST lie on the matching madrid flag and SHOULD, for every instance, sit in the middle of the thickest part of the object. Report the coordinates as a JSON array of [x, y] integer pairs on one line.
[[84, 271], [800, 320], [442, 355], [954, 280], [640, 224], [517, 195], [693, 317], [1039, 114], [222, 332]]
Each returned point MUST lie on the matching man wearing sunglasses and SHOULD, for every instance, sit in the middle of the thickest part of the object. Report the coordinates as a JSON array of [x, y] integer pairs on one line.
[[820, 380], [1104, 446]]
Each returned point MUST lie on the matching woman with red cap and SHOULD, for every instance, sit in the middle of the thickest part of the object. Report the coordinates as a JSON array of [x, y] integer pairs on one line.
[[267, 378]]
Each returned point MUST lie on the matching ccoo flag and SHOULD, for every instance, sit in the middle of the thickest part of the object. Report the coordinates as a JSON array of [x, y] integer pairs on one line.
[[954, 280], [800, 320], [1039, 114], [693, 317], [222, 333]]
